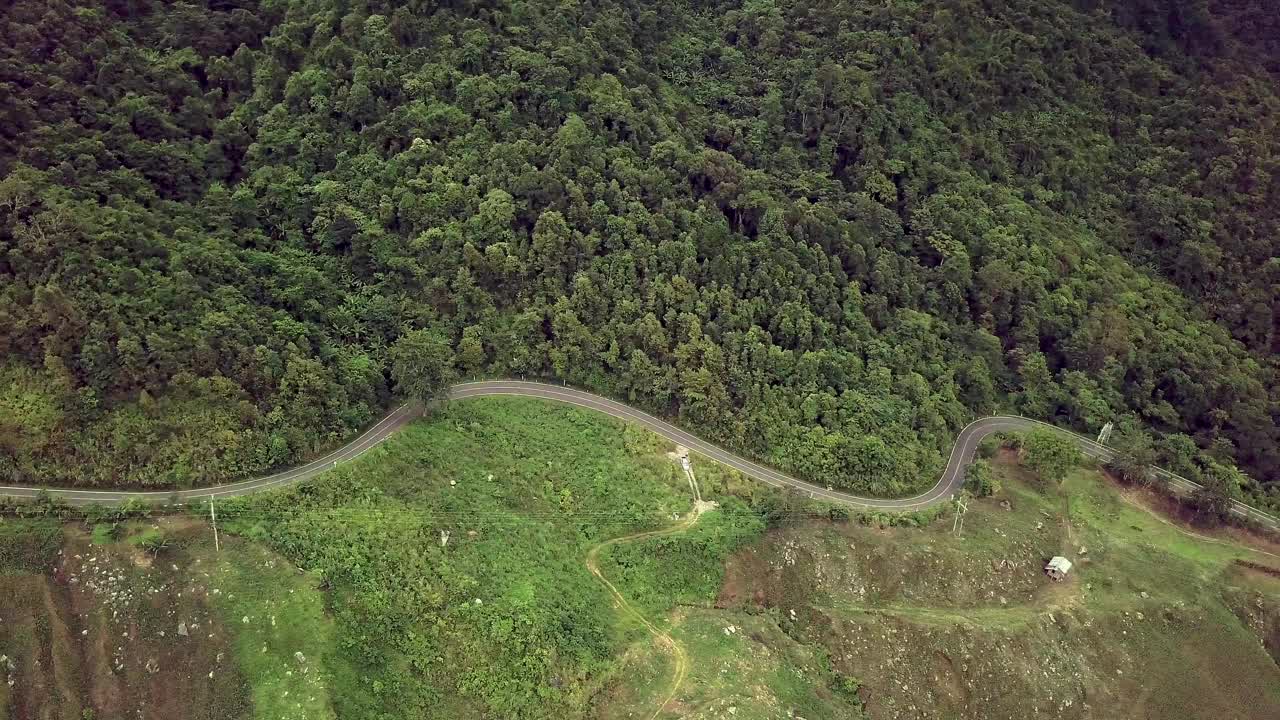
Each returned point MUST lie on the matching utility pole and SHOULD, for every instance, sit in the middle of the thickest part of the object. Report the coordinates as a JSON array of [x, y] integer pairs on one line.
[[1105, 435], [957, 525], [213, 517]]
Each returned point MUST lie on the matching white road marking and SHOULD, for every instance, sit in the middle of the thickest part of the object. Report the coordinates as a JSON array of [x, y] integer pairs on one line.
[[952, 476]]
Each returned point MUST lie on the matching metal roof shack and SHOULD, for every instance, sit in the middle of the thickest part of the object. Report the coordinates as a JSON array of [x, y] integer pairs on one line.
[[1058, 567]]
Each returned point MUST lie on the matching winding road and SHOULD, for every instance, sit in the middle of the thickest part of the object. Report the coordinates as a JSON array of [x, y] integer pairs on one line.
[[952, 477]]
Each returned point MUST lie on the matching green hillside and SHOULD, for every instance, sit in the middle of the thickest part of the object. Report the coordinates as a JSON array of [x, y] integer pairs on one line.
[[448, 574], [825, 233]]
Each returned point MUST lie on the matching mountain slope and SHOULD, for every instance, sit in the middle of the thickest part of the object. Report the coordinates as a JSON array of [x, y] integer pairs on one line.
[[827, 233]]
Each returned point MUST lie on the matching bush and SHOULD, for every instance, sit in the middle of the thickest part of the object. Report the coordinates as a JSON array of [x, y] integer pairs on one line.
[[153, 540], [1012, 441], [846, 685], [980, 479], [131, 509], [1050, 455]]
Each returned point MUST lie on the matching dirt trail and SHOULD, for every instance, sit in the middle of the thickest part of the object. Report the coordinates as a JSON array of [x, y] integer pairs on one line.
[[664, 638]]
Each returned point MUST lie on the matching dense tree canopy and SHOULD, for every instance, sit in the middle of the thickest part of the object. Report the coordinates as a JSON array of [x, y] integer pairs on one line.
[[825, 233]]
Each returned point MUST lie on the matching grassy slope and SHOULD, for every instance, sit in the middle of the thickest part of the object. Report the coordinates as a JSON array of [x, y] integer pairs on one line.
[[503, 619], [741, 664], [929, 625], [88, 611], [939, 626]]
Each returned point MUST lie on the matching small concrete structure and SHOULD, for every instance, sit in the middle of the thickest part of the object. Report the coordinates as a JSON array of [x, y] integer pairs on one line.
[[1058, 567]]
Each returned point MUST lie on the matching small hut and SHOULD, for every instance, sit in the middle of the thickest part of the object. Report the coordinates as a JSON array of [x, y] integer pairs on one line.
[[1058, 567]]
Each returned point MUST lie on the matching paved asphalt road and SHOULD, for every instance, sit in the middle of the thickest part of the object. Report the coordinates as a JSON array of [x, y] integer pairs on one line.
[[950, 482]]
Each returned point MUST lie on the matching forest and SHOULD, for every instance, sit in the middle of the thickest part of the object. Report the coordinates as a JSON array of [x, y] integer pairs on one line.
[[828, 234]]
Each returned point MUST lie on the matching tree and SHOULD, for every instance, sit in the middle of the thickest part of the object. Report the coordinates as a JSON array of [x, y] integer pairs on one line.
[[850, 230], [1136, 459], [1220, 484], [1050, 454], [422, 364], [980, 479], [471, 353], [1040, 393]]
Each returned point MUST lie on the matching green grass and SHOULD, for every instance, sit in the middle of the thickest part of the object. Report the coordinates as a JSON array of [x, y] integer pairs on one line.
[[286, 616], [28, 546], [742, 666], [659, 573], [103, 533], [747, 662], [504, 619]]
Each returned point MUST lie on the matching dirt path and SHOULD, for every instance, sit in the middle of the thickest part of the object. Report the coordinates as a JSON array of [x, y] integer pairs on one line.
[[678, 654]]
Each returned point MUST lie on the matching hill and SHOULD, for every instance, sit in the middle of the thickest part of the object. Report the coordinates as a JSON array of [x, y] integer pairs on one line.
[[827, 233], [446, 574]]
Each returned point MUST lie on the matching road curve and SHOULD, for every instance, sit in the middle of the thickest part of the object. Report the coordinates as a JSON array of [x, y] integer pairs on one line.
[[947, 485]]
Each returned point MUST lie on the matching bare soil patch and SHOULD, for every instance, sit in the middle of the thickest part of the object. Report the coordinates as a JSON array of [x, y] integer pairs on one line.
[[103, 631]]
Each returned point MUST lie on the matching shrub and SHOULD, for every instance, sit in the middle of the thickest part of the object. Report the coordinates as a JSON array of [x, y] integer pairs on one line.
[[1012, 441], [1050, 455], [846, 685], [980, 479], [153, 540]]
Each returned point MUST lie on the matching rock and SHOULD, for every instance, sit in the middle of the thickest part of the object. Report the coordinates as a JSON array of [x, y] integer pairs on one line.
[[453, 483], [1144, 594], [182, 629]]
